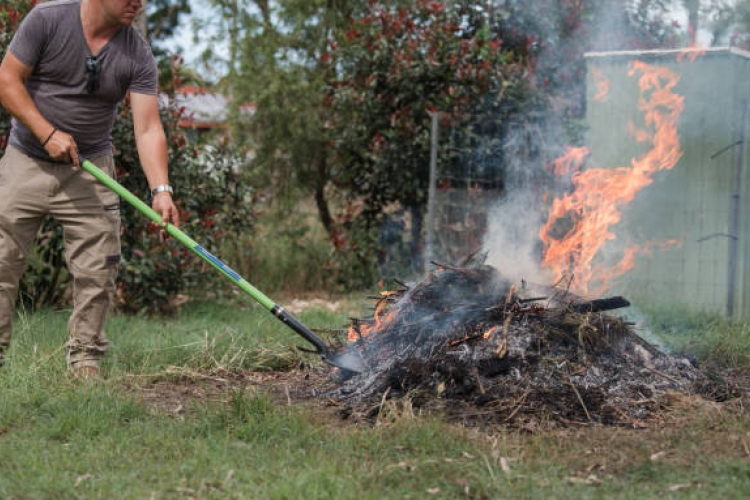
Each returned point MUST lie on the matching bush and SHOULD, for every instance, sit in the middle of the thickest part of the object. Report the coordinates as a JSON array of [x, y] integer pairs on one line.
[[214, 204]]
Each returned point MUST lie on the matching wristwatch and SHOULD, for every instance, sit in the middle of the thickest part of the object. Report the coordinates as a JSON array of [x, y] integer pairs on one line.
[[161, 189]]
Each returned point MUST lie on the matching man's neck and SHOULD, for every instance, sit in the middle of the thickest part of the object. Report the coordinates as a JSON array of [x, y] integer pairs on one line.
[[97, 28]]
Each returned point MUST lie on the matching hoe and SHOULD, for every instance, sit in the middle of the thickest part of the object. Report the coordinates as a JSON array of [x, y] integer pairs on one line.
[[348, 360]]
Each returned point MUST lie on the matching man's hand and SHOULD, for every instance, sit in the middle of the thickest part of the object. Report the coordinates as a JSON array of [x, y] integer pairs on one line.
[[16, 99], [164, 206], [62, 147]]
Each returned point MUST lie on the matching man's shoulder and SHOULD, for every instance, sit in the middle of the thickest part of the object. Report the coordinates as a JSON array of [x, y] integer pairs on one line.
[[132, 43], [56, 4], [56, 10]]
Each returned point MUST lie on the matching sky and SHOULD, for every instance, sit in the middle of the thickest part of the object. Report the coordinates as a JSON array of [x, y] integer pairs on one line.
[[184, 44]]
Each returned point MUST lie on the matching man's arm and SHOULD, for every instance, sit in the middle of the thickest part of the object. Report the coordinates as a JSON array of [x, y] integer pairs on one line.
[[152, 151], [16, 99]]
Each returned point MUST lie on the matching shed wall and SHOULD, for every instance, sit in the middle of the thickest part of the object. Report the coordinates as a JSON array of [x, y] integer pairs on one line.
[[689, 205]]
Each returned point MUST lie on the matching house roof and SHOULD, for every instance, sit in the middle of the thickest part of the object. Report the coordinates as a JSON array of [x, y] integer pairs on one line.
[[659, 52], [205, 110]]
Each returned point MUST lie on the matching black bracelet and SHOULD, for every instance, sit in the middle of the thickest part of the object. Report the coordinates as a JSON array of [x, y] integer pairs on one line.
[[49, 136]]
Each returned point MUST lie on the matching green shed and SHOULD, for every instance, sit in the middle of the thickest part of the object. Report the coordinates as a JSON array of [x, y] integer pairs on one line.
[[692, 218]]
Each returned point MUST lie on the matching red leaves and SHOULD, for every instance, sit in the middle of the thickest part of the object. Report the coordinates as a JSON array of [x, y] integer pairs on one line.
[[495, 45], [9, 18], [338, 239], [352, 34], [378, 142], [401, 61], [178, 140], [431, 7], [436, 7], [401, 117]]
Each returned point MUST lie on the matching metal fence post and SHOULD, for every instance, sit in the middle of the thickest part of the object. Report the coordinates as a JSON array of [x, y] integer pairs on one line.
[[431, 193]]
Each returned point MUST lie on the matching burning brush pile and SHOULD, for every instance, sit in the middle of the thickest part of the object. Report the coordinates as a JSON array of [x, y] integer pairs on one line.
[[470, 341]]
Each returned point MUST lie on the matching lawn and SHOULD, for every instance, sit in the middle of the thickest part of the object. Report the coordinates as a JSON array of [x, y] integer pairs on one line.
[[216, 402]]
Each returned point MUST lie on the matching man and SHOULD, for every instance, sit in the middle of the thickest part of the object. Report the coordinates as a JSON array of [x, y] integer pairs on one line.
[[67, 68]]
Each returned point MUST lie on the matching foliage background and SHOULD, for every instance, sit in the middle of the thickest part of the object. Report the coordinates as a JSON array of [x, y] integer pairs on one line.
[[344, 90]]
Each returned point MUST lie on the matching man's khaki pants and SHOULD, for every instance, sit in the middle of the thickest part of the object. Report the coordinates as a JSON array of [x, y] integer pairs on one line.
[[90, 217]]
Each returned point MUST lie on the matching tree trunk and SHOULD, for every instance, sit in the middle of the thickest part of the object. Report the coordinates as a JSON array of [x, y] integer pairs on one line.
[[320, 197], [140, 21], [693, 9]]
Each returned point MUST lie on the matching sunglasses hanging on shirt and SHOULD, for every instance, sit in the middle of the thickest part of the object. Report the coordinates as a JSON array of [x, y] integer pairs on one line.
[[93, 67]]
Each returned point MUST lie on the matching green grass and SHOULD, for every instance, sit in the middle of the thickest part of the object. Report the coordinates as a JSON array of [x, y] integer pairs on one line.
[[286, 253], [708, 336], [64, 439]]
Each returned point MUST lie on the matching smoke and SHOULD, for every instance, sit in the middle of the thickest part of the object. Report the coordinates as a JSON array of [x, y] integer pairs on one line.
[[539, 136], [512, 240]]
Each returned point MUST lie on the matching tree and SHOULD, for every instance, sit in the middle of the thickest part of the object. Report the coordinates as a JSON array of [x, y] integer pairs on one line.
[[344, 88], [729, 22], [278, 67], [164, 17], [395, 66]]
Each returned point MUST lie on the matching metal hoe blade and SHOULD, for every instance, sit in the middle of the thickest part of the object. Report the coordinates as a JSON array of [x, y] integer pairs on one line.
[[347, 360]]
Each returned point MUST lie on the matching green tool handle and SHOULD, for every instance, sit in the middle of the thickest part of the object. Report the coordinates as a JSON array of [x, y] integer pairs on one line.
[[278, 311]]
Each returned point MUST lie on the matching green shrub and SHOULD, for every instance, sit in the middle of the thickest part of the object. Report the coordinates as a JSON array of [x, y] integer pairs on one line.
[[215, 204]]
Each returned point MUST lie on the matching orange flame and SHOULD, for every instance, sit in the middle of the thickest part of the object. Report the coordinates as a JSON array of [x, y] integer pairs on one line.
[[489, 332], [694, 52], [601, 83], [353, 335], [606, 276], [594, 204], [381, 320], [570, 161]]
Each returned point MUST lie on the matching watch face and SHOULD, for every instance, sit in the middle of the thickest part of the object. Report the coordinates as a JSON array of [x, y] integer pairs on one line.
[[161, 189]]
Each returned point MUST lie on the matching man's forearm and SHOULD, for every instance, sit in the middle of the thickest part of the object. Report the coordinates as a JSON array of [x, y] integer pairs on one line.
[[16, 99], [152, 151]]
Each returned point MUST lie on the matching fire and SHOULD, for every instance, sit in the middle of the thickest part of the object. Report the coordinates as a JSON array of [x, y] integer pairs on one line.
[[380, 318], [691, 54], [601, 83], [628, 260], [594, 204], [489, 332], [570, 161]]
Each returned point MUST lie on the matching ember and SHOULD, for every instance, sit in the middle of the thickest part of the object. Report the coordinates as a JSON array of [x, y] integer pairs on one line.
[[467, 339]]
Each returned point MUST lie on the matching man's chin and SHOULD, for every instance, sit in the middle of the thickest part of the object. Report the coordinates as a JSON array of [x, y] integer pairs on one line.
[[128, 20]]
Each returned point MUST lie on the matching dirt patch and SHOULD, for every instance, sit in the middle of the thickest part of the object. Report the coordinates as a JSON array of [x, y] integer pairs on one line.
[[180, 392]]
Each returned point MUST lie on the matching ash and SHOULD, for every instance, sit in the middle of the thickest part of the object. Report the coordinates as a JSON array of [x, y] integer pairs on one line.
[[468, 341]]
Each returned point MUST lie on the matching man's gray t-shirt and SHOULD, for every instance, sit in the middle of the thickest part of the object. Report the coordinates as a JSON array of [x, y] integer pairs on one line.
[[50, 39]]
